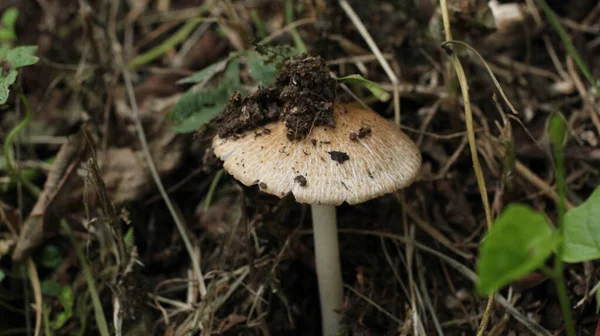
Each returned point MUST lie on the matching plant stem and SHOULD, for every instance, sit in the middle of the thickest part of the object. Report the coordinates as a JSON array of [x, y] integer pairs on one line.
[[557, 137], [167, 45], [34, 190], [555, 22], [464, 88], [96, 303], [260, 26], [289, 18], [563, 297], [212, 188], [329, 271]]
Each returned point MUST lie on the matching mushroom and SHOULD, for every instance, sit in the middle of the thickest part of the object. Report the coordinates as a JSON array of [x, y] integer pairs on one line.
[[364, 156]]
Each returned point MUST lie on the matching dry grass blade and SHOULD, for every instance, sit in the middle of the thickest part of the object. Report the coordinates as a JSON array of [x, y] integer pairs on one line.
[[437, 235], [89, 278], [588, 103], [464, 87], [286, 29], [217, 257], [426, 298], [462, 269], [161, 188], [378, 307], [37, 293], [538, 182], [489, 70], [375, 49]]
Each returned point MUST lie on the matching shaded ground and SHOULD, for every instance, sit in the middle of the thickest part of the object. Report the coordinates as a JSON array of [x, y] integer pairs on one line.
[[255, 250]]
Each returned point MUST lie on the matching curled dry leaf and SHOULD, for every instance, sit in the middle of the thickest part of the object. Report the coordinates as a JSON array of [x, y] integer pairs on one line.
[[43, 216]]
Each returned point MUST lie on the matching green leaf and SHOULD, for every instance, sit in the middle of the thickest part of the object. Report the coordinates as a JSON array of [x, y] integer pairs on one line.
[[65, 295], [375, 89], [7, 27], [232, 75], [5, 82], [557, 128], [51, 257], [597, 300], [581, 231], [9, 18], [129, 238], [518, 243], [195, 109], [204, 74], [211, 70], [263, 73], [194, 102], [51, 288], [21, 56], [2, 275], [195, 121], [3, 50], [66, 299]]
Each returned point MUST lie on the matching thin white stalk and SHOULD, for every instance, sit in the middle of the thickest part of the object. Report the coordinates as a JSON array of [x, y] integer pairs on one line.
[[329, 271]]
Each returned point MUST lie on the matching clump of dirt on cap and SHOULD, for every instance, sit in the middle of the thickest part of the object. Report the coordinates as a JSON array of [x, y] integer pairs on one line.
[[245, 113], [302, 97]]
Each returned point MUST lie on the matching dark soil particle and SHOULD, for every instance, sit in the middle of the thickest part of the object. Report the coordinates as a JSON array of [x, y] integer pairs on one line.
[[301, 180], [262, 185], [363, 132], [340, 157], [302, 97]]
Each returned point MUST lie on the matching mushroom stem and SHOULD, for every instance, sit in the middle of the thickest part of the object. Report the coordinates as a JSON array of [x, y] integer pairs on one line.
[[329, 271]]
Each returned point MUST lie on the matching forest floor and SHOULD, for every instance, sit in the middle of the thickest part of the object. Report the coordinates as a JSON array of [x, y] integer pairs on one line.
[[115, 170]]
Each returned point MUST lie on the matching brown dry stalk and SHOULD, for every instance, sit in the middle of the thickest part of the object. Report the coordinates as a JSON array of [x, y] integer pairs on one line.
[[472, 144]]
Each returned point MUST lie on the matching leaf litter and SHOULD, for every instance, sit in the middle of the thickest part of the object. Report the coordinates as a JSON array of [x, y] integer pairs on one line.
[[255, 250]]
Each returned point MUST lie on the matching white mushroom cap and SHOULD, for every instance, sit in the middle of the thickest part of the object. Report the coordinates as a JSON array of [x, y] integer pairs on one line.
[[330, 166]]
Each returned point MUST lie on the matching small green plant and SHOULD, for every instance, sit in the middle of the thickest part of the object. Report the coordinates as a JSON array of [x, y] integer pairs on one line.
[[11, 60], [522, 239], [582, 231], [519, 242], [7, 26], [204, 102], [65, 296]]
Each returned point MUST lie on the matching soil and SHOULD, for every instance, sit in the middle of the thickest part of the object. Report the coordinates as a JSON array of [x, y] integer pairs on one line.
[[302, 97], [362, 133], [256, 250], [301, 180], [340, 157]]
